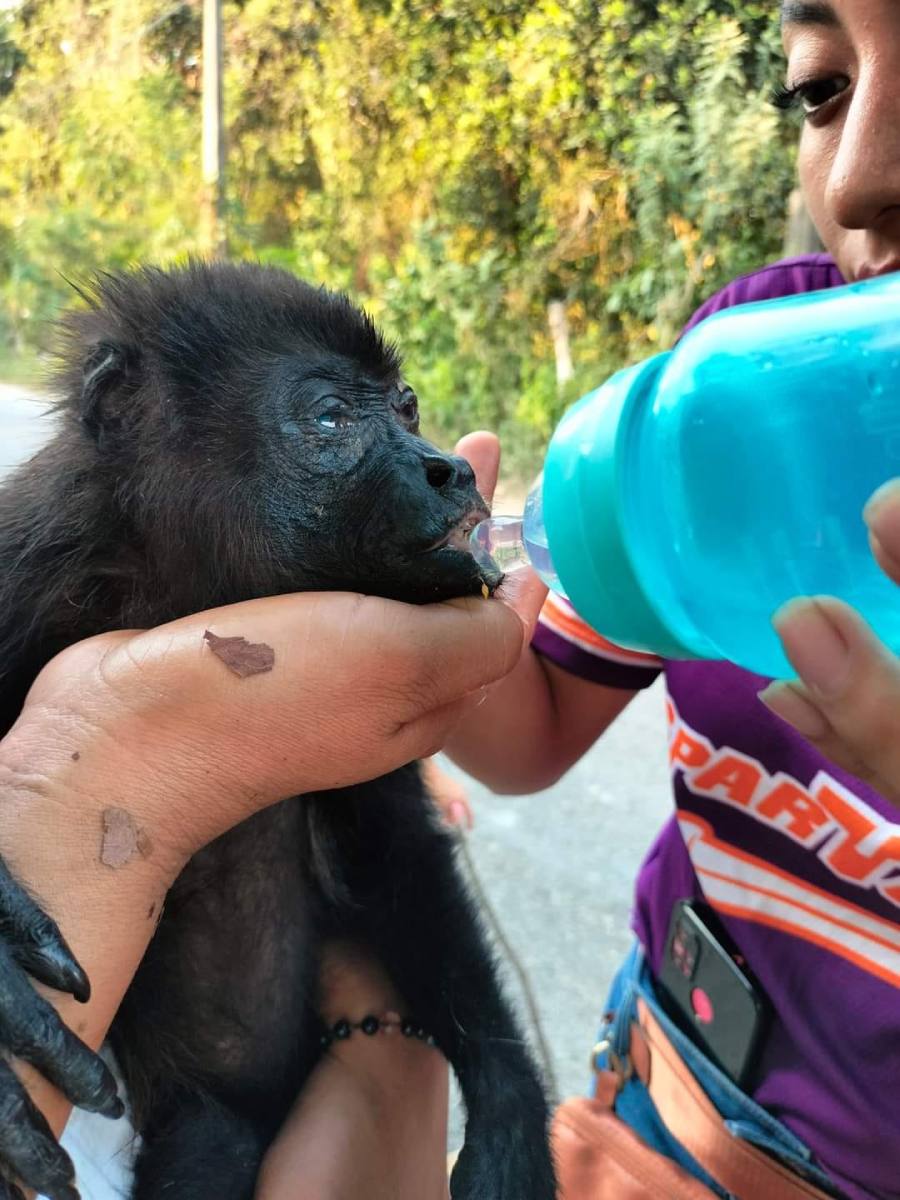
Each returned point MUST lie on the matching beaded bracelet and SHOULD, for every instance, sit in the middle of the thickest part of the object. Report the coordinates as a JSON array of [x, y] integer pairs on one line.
[[370, 1025]]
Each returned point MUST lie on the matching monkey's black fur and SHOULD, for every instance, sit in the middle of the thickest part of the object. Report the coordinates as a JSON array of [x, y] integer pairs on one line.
[[229, 432]]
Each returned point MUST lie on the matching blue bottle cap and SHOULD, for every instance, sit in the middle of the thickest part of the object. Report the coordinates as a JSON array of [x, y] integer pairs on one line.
[[583, 513]]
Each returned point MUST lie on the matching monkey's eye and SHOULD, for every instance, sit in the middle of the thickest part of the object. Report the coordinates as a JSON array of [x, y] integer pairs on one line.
[[407, 406], [334, 418]]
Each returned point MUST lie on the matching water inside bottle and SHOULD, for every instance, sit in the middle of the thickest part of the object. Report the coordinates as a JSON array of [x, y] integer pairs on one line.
[[765, 491], [534, 534]]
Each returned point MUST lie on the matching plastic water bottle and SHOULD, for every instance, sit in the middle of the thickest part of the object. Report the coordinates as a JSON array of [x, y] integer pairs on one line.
[[691, 495]]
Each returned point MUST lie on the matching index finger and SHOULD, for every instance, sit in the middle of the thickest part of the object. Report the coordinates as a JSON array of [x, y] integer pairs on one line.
[[851, 680]]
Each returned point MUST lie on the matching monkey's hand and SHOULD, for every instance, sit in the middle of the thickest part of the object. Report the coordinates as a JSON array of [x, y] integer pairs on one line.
[[31, 1030]]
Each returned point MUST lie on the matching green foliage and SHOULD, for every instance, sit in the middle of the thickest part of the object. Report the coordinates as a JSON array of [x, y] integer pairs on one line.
[[455, 166]]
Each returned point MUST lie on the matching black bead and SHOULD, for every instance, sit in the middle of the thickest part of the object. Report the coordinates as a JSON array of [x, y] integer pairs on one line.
[[341, 1030], [408, 1028], [421, 1034], [370, 1025], [326, 1040]]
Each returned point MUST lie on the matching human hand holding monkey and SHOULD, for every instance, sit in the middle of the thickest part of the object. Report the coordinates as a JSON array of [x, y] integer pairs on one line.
[[155, 724]]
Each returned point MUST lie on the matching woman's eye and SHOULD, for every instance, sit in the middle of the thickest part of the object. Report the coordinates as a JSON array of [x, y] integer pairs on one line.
[[334, 420], [812, 95]]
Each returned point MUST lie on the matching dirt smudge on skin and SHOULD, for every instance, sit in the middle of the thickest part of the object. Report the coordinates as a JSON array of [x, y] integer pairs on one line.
[[123, 839], [240, 656]]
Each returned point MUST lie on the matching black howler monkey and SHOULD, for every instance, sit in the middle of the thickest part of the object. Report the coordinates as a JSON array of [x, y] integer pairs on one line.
[[226, 432]]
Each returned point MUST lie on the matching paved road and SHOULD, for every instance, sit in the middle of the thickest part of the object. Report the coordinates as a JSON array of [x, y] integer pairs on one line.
[[558, 867]]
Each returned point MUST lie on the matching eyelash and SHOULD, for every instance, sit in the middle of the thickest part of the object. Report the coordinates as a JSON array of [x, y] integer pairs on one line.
[[799, 96]]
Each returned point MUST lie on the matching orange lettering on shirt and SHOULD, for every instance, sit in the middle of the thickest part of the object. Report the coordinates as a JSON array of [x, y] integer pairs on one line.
[[734, 776], [687, 750], [804, 816], [844, 856]]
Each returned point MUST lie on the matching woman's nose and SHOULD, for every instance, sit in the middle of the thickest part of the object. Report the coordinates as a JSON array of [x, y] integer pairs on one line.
[[863, 189]]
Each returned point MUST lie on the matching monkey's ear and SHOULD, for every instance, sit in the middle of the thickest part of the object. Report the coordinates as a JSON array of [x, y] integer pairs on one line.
[[104, 368]]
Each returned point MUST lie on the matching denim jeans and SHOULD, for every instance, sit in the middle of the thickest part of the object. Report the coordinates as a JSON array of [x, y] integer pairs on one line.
[[742, 1115]]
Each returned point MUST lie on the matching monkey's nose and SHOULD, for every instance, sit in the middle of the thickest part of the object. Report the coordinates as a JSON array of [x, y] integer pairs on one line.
[[444, 470]]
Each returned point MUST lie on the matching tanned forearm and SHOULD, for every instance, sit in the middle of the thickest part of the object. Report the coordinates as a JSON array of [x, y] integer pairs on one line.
[[52, 839], [533, 725]]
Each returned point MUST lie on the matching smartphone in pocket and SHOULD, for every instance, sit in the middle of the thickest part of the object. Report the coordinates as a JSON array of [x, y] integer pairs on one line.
[[710, 993]]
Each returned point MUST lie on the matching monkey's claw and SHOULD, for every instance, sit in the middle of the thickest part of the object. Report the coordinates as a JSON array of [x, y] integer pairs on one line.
[[36, 942], [31, 1030], [28, 1149]]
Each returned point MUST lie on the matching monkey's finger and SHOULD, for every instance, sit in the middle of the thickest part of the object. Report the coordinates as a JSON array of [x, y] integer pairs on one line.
[[28, 1149], [31, 1029], [482, 451], [36, 942]]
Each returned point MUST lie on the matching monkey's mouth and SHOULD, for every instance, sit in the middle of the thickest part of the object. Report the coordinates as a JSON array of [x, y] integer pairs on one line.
[[457, 536]]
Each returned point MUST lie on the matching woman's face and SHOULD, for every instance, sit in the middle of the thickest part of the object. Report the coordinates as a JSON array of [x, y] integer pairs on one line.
[[844, 70]]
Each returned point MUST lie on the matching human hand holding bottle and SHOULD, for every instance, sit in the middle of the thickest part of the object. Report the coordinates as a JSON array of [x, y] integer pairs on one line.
[[846, 701]]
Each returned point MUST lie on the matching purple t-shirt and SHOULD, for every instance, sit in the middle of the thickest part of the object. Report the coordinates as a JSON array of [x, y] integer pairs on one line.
[[800, 859]]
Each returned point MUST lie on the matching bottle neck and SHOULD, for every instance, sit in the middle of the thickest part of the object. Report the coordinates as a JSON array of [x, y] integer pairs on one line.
[[584, 513]]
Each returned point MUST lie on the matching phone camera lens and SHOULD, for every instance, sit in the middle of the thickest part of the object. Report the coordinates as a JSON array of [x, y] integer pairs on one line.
[[685, 948]]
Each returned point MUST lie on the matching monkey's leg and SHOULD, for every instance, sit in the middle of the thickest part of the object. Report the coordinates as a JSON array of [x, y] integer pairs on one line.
[[412, 910], [198, 1149]]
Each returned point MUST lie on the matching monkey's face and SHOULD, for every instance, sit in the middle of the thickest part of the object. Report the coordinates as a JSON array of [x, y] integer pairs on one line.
[[355, 497], [258, 437]]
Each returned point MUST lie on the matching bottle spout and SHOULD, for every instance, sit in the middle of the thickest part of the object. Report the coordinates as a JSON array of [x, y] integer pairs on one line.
[[498, 543], [508, 544]]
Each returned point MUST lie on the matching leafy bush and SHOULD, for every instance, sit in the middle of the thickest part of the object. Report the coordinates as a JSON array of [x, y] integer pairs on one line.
[[455, 167]]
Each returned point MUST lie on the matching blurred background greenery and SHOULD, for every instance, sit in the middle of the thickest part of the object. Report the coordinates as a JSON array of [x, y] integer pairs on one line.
[[526, 193]]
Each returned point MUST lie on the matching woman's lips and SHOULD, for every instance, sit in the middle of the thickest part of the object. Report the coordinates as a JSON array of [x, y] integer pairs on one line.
[[869, 271]]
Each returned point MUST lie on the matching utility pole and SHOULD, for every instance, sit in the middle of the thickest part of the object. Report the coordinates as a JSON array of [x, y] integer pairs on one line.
[[800, 236], [215, 241], [558, 321]]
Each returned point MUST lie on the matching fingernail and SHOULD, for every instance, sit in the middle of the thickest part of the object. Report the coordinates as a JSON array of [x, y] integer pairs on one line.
[[787, 704], [816, 649], [888, 493]]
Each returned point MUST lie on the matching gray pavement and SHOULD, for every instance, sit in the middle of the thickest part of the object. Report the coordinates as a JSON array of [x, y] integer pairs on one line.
[[558, 867]]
